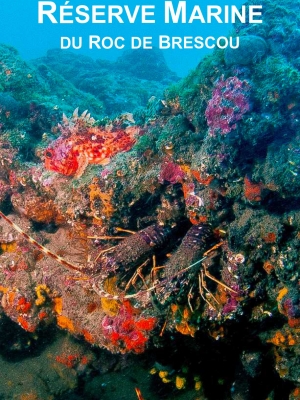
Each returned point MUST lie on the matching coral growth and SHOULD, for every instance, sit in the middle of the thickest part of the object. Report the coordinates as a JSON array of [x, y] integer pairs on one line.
[[101, 201], [20, 309], [170, 172], [188, 242], [128, 331], [37, 208], [252, 191], [229, 102]]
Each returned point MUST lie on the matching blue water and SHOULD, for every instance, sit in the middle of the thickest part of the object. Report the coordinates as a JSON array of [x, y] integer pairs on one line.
[[20, 28]]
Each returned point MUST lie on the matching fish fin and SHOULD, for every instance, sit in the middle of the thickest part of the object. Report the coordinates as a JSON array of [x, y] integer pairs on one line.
[[75, 112], [132, 131], [83, 162], [65, 119], [105, 161]]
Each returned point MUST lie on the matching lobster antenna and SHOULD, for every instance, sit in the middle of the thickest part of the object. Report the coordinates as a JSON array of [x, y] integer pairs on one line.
[[39, 246]]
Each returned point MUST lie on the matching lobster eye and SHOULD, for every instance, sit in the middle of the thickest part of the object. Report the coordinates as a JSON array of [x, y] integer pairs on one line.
[[48, 154]]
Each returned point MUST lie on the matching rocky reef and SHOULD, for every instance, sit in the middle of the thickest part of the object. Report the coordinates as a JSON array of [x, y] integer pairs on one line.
[[120, 86], [168, 234]]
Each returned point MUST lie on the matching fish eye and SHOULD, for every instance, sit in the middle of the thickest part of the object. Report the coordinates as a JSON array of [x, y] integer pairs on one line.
[[48, 154]]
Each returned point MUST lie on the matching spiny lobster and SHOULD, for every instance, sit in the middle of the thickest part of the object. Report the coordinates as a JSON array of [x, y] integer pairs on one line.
[[135, 250], [132, 251]]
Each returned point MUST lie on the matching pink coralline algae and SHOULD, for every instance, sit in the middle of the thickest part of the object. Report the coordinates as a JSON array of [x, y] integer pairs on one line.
[[229, 102], [170, 173]]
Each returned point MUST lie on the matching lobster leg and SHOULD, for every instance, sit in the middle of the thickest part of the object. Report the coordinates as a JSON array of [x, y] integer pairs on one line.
[[42, 248]]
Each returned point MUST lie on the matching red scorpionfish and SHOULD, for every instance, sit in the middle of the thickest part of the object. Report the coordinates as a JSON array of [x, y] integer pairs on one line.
[[82, 144]]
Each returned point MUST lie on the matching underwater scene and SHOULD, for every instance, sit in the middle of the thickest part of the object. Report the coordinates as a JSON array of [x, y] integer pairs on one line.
[[150, 224]]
